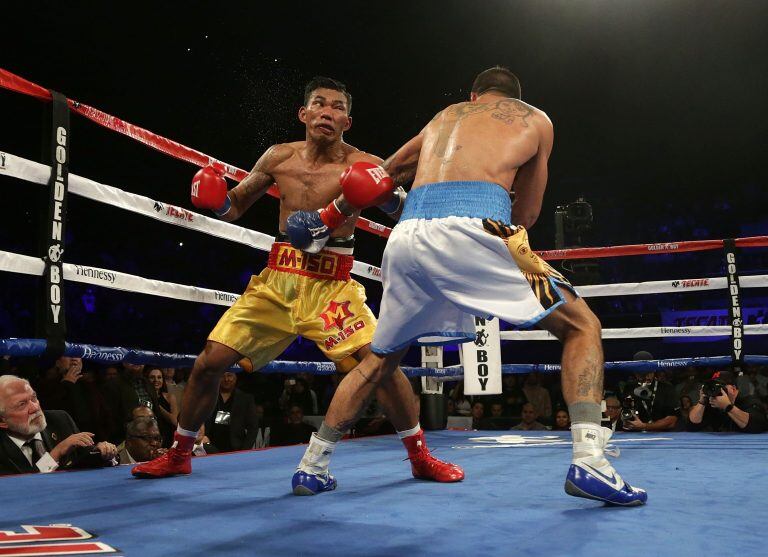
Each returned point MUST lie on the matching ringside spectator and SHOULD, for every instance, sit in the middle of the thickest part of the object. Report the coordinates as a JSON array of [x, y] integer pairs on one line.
[[32, 440], [166, 407], [142, 441], [294, 431], [529, 422], [233, 425]]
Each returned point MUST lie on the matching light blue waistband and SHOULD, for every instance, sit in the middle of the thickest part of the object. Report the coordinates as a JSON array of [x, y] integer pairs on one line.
[[458, 199]]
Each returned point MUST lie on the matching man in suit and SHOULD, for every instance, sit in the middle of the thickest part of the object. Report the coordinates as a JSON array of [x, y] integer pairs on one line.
[[233, 425], [35, 441]]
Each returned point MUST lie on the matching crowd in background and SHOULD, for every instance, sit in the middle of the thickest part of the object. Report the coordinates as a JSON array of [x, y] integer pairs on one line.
[[136, 407], [535, 401]]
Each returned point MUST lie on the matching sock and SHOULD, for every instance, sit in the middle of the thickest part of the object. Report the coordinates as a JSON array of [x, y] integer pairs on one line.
[[588, 443], [317, 456], [183, 439], [330, 434], [185, 432], [587, 412], [408, 432]]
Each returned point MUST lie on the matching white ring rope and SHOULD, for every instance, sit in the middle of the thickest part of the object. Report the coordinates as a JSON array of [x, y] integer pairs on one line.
[[16, 263], [23, 169], [647, 332], [30, 171]]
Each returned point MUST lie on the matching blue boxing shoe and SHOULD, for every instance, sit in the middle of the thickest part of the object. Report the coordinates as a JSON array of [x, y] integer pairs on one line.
[[312, 475], [305, 483], [603, 484], [591, 476]]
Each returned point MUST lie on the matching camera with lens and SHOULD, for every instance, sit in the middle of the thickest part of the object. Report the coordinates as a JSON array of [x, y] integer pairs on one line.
[[628, 411], [712, 387], [643, 391]]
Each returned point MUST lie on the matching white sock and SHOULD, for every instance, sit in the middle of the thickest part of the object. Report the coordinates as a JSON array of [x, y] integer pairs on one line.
[[588, 442], [408, 432], [185, 432], [317, 456]]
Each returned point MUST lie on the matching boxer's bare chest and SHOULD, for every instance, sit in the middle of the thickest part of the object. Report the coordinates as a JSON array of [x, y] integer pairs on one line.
[[306, 186]]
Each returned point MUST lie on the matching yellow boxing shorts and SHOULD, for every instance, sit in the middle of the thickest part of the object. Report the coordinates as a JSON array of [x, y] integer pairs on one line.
[[311, 295]]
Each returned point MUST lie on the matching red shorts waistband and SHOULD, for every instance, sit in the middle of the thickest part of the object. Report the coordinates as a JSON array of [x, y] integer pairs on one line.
[[326, 265]]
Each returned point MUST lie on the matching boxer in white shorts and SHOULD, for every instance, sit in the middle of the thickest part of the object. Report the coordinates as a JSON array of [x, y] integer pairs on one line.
[[453, 256], [461, 248]]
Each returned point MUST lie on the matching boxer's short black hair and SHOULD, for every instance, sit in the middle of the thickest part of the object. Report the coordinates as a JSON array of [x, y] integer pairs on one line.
[[498, 79], [322, 82]]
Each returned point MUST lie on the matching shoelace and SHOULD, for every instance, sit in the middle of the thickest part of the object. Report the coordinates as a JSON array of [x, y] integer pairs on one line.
[[425, 450]]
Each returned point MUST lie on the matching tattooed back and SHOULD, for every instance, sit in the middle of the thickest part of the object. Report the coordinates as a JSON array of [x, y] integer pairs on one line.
[[486, 140]]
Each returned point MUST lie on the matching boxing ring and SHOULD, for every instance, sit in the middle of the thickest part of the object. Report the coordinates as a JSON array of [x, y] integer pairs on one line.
[[512, 500], [700, 502]]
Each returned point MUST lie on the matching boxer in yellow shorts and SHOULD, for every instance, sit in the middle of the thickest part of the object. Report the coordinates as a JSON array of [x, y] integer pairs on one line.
[[300, 293]]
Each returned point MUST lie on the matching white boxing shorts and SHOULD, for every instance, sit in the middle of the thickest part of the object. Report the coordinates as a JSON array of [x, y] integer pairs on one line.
[[452, 257]]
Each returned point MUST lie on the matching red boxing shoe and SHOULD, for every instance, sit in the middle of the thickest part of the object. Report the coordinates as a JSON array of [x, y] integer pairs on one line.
[[178, 460], [170, 464], [424, 466]]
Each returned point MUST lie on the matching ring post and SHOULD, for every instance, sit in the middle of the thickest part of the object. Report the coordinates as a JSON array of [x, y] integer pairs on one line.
[[433, 402]]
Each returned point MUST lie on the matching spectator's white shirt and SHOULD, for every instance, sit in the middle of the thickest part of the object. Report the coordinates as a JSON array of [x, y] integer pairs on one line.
[[45, 464]]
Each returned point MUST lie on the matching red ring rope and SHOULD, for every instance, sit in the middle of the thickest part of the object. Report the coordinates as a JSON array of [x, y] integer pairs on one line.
[[172, 148], [15, 83]]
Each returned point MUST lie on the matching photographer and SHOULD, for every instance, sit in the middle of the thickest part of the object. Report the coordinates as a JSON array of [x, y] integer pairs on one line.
[[721, 408], [651, 405]]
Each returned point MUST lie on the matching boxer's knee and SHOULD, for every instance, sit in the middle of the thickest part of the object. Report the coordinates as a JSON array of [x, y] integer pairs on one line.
[[573, 319], [377, 369], [587, 323], [213, 361]]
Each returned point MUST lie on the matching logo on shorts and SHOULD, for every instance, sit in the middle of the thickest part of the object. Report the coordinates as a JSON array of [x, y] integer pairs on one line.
[[2, 160], [335, 315]]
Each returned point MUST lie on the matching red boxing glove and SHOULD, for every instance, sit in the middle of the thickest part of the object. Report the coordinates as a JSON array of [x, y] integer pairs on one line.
[[209, 189], [331, 216], [366, 185]]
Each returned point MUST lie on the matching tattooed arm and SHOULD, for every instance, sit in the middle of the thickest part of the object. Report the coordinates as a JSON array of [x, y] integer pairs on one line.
[[403, 164], [258, 181], [531, 179]]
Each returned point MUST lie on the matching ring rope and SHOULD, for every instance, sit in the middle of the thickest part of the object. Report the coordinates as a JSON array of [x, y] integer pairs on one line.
[[19, 347], [177, 214], [174, 149], [18, 84], [116, 280], [649, 249], [24, 169], [30, 171], [647, 332]]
